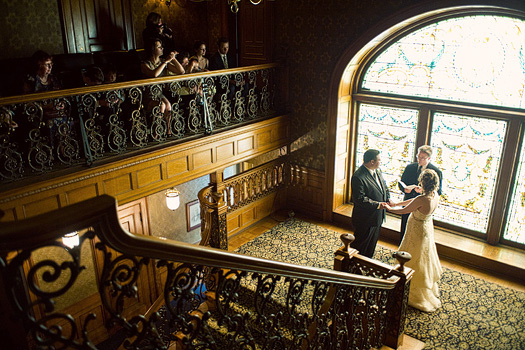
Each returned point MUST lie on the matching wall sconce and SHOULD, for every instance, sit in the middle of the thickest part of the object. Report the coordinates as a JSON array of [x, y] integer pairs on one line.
[[71, 239], [172, 198]]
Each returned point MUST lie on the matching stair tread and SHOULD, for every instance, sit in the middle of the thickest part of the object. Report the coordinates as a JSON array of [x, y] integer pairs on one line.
[[408, 343]]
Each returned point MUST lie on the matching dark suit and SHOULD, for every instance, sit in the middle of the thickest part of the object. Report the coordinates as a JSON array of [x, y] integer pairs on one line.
[[217, 63], [366, 217], [409, 177]]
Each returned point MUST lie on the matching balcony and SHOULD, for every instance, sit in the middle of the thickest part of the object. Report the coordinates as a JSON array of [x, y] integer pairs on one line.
[[63, 147]]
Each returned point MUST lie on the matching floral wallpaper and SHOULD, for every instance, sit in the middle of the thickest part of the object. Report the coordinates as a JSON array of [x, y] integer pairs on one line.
[[27, 26], [312, 35], [172, 224], [189, 21]]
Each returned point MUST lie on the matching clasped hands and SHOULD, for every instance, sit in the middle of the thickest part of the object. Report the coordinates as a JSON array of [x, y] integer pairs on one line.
[[388, 205], [171, 56]]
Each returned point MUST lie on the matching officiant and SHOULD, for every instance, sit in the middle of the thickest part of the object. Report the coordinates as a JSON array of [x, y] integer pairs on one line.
[[409, 184]]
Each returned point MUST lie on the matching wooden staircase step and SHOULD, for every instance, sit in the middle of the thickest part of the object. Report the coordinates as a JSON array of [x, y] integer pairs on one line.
[[408, 343]]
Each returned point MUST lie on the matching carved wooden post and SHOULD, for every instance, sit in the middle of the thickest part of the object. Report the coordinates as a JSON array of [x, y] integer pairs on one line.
[[347, 258], [399, 301], [213, 213]]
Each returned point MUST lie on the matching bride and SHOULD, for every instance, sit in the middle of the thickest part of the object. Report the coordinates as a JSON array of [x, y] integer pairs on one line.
[[419, 242]]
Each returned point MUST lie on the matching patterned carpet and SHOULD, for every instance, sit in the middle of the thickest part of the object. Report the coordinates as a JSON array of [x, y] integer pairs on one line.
[[475, 314]]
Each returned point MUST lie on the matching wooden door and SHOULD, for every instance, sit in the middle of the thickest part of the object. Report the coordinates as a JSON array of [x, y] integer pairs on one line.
[[133, 217], [97, 25], [256, 34]]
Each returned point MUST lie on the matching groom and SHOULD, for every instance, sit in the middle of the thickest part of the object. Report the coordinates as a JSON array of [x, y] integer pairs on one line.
[[370, 196]]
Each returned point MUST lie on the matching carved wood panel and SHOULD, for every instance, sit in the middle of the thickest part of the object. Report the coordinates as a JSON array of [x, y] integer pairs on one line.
[[256, 36], [97, 25]]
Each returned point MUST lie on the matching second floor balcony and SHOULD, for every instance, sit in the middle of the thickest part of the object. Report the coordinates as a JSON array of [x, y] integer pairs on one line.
[[54, 133]]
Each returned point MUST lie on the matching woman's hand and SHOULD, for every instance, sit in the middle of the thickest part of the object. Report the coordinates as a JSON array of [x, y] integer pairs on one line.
[[392, 204], [172, 56]]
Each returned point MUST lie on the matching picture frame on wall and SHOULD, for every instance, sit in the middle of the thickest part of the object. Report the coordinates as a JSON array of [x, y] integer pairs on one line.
[[193, 215]]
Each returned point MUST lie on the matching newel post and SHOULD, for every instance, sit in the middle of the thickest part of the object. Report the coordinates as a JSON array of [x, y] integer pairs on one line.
[[213, 213]]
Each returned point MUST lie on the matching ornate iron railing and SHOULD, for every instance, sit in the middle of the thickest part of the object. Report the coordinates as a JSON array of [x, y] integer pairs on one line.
[[43, 132], [213, 299]]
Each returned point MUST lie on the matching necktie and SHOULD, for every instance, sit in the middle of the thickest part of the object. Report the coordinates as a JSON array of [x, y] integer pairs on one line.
[[418, 170], [376, 177], [225, 61]]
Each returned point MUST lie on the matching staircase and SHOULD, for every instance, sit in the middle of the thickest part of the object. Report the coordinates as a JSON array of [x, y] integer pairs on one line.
[[209, 298]]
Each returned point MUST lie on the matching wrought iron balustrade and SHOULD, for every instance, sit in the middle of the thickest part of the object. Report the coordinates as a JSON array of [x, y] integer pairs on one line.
[[43, 132], [213, 299]]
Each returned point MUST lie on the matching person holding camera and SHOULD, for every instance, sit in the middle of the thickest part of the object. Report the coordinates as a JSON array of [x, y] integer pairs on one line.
[[156, 30]]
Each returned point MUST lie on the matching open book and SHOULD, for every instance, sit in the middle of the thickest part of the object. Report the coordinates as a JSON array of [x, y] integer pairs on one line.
[[405, 186]]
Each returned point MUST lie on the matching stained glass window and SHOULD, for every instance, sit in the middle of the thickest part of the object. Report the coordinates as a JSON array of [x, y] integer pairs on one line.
[[516, 217], [468, 151], [477, 59], [391, 131]]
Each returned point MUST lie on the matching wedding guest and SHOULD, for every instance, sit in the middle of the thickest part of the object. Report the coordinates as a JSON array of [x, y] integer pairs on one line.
[[184, 59], [110, 73], [199, 50], [156, 30], [409, 179], [419, 242], [192, 66], [41, 79], [92, 75], [154, 67], [221, 59]]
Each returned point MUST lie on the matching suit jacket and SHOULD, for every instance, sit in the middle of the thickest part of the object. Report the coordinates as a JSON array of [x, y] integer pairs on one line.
[[366, 196], [216, 62], [410, 176]]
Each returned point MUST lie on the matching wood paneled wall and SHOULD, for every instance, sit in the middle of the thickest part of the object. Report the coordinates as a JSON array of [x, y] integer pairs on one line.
[[305, 192], [250, 214], [143, 175], [97, 25]]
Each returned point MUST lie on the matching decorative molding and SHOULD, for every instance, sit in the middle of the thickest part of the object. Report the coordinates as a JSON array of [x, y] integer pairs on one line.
[[121, 179]]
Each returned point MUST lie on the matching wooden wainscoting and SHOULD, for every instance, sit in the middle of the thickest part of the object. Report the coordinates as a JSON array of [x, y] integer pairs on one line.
[[305, 191], [252, 213], [142, 175]]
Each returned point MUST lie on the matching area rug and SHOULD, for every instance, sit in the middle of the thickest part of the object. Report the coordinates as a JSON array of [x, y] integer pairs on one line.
[[475, 314]]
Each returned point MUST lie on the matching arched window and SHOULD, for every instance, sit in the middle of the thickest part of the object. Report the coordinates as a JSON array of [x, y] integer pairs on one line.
[[458, 84]]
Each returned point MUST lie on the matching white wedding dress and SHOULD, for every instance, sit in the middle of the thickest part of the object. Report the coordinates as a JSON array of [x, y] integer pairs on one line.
[[419, 242]]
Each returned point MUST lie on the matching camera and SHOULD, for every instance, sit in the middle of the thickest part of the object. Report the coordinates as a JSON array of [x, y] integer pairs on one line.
[[165, 29]]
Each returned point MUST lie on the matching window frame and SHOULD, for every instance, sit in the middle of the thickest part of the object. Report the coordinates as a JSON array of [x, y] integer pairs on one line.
[[514, 138]]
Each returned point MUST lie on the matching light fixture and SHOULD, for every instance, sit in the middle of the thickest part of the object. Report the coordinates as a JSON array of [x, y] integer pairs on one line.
[[172, 198], [234, 4], [167, 2], [71, 239]]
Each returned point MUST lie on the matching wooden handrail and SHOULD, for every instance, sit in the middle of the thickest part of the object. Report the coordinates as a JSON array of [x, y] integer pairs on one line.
[[128, 84], [101, 214]]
